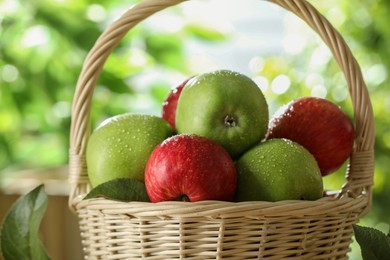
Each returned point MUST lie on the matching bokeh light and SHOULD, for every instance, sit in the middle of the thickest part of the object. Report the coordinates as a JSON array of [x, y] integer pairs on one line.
[[280, 84]]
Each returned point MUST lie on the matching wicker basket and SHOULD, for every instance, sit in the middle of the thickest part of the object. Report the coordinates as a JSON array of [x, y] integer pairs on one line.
[[319, 229]]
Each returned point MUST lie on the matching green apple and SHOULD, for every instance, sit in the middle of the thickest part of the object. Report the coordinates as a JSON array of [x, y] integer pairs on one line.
[[225, 106], [278, 169], [121, 146]]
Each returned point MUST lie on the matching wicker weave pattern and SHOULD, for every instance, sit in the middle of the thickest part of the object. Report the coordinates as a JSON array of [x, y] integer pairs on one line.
[[219, 230], [204, 240], [319, 229]]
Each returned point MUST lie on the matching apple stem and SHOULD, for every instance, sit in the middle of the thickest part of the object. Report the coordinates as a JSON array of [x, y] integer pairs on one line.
[[230, 121], [184, 198]]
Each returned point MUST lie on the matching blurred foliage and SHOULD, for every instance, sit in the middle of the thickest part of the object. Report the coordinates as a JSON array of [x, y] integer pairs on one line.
[[42, 47], [370, 38], [43, 44], [364, 26], [308, 68]]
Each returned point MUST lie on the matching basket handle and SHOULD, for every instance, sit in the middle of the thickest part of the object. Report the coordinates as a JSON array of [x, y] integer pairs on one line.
[[359, 178]]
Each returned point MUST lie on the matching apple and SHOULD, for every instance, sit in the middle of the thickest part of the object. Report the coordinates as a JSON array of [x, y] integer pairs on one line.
[[121, 146], [187, 167], [278, 169], [320, 126], [224, 106], [170, 103]]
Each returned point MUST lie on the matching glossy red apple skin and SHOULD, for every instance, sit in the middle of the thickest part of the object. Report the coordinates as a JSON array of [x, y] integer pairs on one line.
[[170, 103], [190, 168], [320, 126]]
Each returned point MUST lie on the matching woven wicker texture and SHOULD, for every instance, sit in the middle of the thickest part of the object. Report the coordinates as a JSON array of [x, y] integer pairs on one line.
[[319, 229]]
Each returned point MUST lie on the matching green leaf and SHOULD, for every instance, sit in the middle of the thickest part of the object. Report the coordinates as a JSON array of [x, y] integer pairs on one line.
[[121, 189], [374, 244], [19, 232]]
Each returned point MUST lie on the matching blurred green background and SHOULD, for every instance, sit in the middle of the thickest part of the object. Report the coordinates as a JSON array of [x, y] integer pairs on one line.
[[44, 42]]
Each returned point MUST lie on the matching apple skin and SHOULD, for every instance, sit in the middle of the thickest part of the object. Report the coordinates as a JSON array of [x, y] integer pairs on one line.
[[190, 168], [121, 146], [278, 169], [226, 107], [170, 104], [320, 126]]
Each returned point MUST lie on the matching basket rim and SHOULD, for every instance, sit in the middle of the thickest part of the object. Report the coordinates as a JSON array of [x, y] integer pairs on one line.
[[359, 176], [326, 206]]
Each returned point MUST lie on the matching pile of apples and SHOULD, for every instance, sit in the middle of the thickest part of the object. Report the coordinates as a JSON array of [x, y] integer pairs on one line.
[[216, 141]]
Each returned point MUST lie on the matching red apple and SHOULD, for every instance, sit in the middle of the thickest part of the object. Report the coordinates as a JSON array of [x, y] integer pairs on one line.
[[320, 126], [170, 104], [190, 168]]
